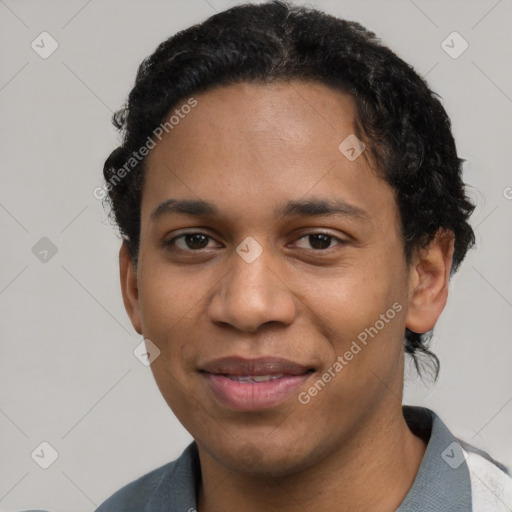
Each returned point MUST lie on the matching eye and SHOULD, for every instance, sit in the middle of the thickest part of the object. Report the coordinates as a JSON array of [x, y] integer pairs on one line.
[[319, 241], [195, 242], [190, 241]]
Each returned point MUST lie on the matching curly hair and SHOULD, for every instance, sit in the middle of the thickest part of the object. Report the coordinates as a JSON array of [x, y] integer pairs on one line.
[[404, 125]]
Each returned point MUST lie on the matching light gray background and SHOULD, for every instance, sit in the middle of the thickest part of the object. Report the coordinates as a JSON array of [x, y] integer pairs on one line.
[[68, 375]]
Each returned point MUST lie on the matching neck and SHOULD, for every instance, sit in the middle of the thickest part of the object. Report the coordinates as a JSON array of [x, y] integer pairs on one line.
[[384, 457]]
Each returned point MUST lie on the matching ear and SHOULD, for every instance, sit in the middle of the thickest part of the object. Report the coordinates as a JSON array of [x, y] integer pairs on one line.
[[428, 282], [129, 287]]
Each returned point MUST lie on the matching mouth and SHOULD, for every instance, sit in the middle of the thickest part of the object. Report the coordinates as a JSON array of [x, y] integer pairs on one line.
[[254, 384], [255, 378]]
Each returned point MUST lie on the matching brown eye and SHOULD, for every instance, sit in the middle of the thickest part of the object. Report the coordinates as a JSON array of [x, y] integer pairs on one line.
[[190, 241], [196, 241], [319, 241]]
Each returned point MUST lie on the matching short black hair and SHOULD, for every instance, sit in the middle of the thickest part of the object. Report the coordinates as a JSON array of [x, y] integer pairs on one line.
[[403, 124]]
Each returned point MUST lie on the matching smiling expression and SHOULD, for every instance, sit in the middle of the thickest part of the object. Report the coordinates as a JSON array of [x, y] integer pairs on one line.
[[257, 168]]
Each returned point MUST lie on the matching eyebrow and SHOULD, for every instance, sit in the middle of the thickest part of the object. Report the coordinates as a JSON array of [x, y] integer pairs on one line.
[[323, 207], [194, 207], [304, 208]]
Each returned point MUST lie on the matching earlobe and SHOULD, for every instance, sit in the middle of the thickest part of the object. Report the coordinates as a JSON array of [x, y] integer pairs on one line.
[[129, 287], [429, 281]]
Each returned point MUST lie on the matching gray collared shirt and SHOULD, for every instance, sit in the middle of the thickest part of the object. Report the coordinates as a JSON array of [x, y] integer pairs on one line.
[[442, 483]]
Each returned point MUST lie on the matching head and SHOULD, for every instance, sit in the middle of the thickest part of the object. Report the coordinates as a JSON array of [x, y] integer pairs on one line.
[[277, 241]]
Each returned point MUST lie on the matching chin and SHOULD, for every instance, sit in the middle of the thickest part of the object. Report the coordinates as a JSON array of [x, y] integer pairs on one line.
[[265, 461]]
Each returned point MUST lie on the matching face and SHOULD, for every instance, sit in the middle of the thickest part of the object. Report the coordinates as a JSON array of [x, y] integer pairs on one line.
[[266, 257]]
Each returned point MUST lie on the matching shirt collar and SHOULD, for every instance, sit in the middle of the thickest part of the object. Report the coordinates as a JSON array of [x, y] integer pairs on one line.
[[442, 483]]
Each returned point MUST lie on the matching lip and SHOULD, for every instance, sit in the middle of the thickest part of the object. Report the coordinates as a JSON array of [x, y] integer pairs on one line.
[[286, 377], [240, 366]]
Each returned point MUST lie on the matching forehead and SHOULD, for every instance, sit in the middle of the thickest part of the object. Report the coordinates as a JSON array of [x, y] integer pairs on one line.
[[262, 144], [292, 114]]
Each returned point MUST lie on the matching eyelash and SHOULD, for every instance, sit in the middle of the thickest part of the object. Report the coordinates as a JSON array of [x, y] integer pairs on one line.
[[172, 242]]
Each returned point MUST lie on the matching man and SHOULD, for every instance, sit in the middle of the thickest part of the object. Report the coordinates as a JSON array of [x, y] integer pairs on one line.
[[292, 208]]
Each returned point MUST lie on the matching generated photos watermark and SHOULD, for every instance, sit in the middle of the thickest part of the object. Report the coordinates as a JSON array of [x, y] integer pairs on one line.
[[139, 155], [355, 348]]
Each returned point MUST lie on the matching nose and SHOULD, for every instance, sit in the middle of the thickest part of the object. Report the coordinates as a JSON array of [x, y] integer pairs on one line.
[[251, 295]]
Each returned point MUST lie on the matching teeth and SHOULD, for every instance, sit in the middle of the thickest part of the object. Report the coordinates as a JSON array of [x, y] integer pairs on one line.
[[264, 378], [255, 378]]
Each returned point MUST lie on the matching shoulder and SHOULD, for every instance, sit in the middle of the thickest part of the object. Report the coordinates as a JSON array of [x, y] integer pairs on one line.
[[169, 487], [491, 483], [135, 495], [454, 475]]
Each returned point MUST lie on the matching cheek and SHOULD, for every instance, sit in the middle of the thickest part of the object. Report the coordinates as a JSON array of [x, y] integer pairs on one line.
[[173, 310], [168, 296], [361, 313], [365, 360], [352, 298]]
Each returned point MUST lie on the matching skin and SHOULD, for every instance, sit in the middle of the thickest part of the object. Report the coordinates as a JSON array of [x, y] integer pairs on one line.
[[249, 149]]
